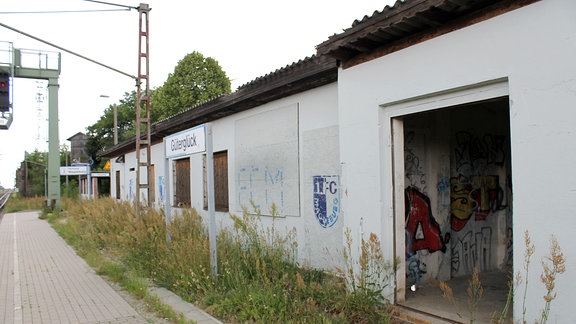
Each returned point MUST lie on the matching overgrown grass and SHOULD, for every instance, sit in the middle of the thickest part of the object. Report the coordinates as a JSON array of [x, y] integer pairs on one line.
[[259, 279], [18, 203], [79, 231]]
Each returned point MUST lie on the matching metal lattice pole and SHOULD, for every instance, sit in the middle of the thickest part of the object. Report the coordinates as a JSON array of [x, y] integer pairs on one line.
[[143, 108]]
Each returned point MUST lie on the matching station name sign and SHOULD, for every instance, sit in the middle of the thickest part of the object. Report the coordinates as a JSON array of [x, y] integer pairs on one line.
[[186, 142], [74, 170]]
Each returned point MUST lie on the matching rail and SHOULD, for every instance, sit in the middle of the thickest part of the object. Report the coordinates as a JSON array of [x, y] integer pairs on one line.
[[4, 197]]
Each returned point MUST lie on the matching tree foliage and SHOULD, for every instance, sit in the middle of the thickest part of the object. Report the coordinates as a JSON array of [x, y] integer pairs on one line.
[[101, 134], [195, 79], [31, 175]]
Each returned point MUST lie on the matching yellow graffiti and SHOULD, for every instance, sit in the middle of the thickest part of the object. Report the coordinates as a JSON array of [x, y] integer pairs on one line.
[[476, 196], [461, 204], [485, 185]]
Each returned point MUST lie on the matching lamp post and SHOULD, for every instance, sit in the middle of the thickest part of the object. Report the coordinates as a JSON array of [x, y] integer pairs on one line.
[[114, 109]]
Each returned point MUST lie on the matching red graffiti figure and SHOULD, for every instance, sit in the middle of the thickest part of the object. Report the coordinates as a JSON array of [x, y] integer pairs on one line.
[[423, 230]]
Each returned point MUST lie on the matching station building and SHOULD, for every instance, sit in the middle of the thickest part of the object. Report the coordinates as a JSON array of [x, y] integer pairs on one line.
[[440, 126]]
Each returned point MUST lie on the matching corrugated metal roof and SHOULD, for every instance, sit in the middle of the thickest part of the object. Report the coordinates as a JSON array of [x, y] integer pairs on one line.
[[297, 77], [399, 25]]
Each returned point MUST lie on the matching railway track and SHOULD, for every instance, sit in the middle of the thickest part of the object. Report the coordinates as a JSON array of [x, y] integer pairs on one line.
[[4, 197]]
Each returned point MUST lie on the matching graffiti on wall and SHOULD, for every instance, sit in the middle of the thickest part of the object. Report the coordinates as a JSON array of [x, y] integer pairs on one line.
[[326, 199], [422, 229], [161, 188], [468, 189], [478, 196], [473, 154], [413, 168], [262, 186], [509, 256], [131, 189], [415, 268], [472, 249], [422, 233]]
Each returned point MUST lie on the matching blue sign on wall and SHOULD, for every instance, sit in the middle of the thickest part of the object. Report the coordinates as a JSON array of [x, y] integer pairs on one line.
[[326, 199], [161, 188]]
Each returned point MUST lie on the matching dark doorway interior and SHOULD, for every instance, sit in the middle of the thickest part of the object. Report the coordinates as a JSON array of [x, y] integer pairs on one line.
[[458, 206]]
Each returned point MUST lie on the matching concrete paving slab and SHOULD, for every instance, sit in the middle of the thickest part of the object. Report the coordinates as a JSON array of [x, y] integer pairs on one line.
[[43, 280]]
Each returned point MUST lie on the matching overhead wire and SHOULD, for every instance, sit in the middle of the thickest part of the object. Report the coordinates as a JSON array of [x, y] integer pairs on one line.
[[60, 11], [111, 4], [125, 8]]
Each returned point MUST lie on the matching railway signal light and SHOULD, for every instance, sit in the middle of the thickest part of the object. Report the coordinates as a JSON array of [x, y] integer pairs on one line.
[[4, 92]]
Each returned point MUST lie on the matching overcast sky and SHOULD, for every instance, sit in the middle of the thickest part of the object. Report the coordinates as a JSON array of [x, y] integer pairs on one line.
[[249, 38]]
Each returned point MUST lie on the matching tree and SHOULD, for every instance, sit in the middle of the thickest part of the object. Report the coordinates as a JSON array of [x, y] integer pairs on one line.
[[101, 134], [32, 173], [68, 185], [195, 79]]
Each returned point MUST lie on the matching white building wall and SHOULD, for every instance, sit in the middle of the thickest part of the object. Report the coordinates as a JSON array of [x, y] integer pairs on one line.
[[128, 174], [533, 50], [315, 154], [317, 135]]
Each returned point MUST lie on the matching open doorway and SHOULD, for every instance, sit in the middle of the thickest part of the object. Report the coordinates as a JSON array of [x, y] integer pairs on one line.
[[457, 212]]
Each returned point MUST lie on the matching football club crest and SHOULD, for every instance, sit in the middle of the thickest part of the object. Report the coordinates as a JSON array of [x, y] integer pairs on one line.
[[327, 199]]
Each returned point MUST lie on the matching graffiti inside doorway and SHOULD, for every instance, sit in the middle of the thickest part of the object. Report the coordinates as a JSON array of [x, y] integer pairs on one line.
[[456, 177]]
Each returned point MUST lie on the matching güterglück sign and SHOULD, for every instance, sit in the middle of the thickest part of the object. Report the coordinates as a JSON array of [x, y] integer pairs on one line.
[[74, 170], [187, 142]]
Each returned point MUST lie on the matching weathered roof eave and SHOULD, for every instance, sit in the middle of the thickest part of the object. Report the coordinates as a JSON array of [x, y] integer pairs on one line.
[[408, 23], [304, 75]]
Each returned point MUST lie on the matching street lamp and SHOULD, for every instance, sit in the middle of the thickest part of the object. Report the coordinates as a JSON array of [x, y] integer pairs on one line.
[[115, 120]]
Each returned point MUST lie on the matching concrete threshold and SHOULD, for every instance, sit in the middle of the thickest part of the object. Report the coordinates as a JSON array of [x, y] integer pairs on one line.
[[188, 310]]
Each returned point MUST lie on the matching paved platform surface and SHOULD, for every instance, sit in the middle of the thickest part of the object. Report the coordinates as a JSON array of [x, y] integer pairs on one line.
[[43, 280]]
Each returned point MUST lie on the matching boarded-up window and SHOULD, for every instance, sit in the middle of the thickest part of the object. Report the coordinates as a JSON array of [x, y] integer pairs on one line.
[[220, 182], [152, 184], [117, 184], [181, 173]]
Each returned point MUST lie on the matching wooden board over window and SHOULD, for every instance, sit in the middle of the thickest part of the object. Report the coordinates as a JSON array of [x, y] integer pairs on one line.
[[118, 184], [220, 181], [152, 184], [181, 173]]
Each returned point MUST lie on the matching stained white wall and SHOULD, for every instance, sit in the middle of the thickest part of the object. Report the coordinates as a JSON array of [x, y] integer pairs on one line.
[[315, 152], [533, 49], [128, 178], [318, 155]]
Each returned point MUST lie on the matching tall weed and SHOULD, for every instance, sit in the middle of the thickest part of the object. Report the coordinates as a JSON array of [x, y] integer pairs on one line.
[[553, 265], [366, 279], [259, 280]]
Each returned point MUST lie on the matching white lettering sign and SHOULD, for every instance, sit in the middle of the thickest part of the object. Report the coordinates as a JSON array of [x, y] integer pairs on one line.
[[187, 142], [74, 170], [100, 174]]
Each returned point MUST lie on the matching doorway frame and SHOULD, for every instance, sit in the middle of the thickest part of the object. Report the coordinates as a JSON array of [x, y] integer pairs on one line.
[[392, 135]]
